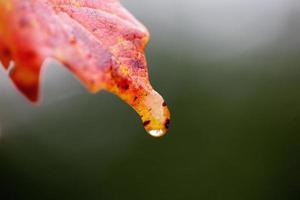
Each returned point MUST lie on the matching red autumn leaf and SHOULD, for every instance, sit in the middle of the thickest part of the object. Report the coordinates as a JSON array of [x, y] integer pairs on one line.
[[98, 40]]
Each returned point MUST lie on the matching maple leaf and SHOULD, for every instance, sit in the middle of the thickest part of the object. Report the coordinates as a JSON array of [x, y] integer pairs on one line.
[[98, 40]]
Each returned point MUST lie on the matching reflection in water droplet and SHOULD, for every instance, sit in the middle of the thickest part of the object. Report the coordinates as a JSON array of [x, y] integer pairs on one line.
[[156, 133]]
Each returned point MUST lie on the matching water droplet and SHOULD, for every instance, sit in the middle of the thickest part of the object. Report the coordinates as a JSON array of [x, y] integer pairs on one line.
[[156, 133]]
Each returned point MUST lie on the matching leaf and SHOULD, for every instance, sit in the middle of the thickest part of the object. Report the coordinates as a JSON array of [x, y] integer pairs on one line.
[[98, 40]]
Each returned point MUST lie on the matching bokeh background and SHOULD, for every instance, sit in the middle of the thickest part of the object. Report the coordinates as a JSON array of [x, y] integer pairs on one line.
[[230, 72]]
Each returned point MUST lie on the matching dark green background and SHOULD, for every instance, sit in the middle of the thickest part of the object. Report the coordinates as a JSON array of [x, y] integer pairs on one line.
[[234, 131]]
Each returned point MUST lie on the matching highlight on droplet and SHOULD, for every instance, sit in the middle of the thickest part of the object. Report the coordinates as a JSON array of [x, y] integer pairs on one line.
[[156, 133]]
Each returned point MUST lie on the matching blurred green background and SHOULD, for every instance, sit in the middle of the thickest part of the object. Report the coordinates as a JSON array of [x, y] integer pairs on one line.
[[230, 72]]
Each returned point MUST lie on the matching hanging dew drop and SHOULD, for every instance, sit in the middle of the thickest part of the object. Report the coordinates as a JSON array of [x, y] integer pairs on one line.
[[156, 133]]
